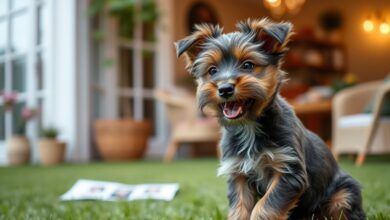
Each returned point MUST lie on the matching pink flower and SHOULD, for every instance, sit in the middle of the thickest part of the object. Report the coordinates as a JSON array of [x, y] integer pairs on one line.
[[9, 99], [28, 113]]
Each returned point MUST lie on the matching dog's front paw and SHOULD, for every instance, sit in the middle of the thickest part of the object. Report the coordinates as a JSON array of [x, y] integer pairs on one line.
[[239, 214], [266, 214]]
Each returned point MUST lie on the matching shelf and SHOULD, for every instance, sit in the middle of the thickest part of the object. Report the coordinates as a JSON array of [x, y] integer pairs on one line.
[[315, 42], [312, 68], [312, 56]]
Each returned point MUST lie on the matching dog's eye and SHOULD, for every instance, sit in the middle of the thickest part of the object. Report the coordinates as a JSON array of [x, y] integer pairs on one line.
[[213, 70], [248, 66]]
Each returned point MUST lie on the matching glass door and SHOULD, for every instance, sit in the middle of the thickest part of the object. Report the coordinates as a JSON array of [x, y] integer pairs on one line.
[[137, 80], [128, 78]]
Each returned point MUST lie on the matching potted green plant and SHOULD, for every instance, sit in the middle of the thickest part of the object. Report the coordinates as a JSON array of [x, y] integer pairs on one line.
[[18, 145], [51, 150]]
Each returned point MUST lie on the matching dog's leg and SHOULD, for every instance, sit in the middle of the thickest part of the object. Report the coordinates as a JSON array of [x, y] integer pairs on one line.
[[345, 203], [241, 198], [339, 204], [281, 196]]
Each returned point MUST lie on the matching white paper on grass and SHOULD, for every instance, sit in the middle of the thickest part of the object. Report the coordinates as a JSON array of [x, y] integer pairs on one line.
[[111, 191]]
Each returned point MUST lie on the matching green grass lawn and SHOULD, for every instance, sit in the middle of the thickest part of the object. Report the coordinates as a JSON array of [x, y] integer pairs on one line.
[[32, 192]]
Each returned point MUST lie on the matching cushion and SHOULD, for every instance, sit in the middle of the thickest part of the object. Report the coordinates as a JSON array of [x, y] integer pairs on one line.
[[358, 120], [386, 104], [355, 120]]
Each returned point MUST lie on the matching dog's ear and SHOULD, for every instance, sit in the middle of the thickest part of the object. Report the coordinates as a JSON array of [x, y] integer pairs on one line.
[[191, 46], [273, 36]]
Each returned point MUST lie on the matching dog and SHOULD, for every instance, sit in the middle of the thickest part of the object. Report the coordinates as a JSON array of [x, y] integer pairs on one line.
[[276, 168]]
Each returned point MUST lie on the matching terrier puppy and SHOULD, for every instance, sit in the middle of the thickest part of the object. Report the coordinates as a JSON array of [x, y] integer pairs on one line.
[[277, 169]]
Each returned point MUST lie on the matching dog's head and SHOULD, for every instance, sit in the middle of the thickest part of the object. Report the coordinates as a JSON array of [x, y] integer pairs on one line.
[[238, 73]]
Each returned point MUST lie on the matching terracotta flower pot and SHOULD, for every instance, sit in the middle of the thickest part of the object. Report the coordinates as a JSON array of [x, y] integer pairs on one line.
[[18, 150], [51, 151], [122, 139]]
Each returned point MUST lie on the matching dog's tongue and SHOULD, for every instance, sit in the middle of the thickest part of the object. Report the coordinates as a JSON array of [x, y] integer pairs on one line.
[[232, 109]]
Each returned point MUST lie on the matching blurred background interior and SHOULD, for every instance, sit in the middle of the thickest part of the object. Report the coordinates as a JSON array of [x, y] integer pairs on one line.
[[83, 80]]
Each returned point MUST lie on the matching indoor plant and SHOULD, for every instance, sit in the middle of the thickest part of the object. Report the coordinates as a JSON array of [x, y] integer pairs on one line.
[[51, 151]]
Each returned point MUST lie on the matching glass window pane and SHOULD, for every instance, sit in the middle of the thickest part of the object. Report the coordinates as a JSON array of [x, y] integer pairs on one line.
[[42, 24], [40, 115], [148, 31], [3, 6], [19, 33], [97, 104], [2, 76], [40, 71], [2, 123], [19, 74], [125, 68], [18, 4], [126, 107], [18, 125], [148, 64], [149, 112], [126, 26], [149, 15], [3, 37]]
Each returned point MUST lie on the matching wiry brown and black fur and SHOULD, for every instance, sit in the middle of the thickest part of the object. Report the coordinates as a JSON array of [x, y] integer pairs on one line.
[[277, 169]]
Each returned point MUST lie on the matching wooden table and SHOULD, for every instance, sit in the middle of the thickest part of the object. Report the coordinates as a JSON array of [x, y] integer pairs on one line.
[[317, 117], [312, 108]]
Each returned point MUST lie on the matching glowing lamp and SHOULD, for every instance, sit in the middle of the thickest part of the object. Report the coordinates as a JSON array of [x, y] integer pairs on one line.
[[274, 3], [368, 25], [384, 28]]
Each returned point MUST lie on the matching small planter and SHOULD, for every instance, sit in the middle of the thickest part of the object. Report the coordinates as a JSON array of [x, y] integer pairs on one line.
[[18, 150], [51, 151], [122, 139]]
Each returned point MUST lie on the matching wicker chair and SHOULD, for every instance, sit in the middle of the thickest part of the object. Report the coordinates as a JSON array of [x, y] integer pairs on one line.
[[356, 132], [186, 125]]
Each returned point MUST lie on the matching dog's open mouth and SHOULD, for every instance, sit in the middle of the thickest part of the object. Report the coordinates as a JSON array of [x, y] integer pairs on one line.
[[235, 109]]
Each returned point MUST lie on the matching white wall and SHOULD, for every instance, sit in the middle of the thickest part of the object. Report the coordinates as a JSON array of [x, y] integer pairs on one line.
[[68, 92]]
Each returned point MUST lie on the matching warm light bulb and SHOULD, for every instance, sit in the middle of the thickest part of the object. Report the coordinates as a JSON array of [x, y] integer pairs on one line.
[[274, 3], [384, 28], [368, 25]]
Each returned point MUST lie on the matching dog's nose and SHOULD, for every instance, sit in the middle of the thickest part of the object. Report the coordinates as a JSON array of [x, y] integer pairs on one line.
[[226, 90]]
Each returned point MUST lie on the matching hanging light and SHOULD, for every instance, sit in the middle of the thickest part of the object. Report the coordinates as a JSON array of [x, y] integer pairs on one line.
[[272, 3], [368, 25], [384, 28], [279, 7]]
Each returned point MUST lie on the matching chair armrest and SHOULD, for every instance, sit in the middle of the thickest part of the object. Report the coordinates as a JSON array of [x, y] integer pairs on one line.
[[379, 102], [382, 92], [170, 100], [353, 100], [179, 107]]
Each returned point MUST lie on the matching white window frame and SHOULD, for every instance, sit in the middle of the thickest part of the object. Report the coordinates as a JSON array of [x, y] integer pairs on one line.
[[164, 71], [31, 94]]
